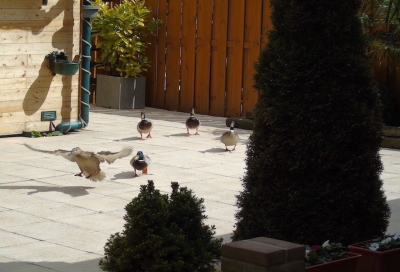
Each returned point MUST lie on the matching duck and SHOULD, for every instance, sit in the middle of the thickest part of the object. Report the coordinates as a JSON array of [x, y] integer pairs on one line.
[[192, 123], [88, 162], [230, 137], [144, 126], [140, 162]]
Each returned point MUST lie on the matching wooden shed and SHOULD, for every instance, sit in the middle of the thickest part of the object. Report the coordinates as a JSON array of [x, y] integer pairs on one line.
[[30, 30]]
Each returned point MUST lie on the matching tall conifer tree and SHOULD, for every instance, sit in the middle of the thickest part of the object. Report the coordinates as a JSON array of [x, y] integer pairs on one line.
[[313, 163]]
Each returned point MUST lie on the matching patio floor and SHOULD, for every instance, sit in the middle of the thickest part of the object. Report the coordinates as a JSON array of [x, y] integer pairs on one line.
[[52, 220]]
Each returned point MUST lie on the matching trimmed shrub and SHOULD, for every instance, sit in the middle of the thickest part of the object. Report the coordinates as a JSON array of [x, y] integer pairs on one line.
[[313, 167], [155, 238]]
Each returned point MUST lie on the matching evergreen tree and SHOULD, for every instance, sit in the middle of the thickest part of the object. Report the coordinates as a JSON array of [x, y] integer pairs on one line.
[[313, 161]]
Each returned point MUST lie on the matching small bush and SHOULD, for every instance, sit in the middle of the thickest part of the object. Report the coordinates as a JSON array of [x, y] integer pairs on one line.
[[163, 234]]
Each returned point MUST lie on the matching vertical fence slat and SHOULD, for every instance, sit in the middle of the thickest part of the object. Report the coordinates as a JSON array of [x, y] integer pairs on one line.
[[151, 74], [173, 55], [235, 57], [252, 33], [218, 58], [203, 51], [188, 45], [161, 44]]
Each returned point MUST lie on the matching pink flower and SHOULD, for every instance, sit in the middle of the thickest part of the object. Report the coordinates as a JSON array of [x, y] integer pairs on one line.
[[314, 248]]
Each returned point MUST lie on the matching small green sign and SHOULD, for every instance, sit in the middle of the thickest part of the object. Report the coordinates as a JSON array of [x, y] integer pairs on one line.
[[49, 115]]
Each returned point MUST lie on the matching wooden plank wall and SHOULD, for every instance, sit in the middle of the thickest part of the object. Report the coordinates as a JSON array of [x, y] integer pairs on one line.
[[28, 32], [204, 53]]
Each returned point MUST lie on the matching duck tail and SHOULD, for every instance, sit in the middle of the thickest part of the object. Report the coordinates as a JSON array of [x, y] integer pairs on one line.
[[99, 176]]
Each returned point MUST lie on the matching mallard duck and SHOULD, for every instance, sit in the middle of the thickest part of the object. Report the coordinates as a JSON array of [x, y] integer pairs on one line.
[[144, 126], [230, 137], [89, 162], [140, 162], [192, 123]]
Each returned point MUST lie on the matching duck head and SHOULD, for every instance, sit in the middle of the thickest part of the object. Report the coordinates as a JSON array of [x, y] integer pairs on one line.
[[74, 151], [142, 115], [232, 126], [192, 112], [139, 156]]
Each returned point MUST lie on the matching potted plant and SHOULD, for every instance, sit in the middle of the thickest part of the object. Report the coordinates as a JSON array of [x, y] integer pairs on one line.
[[378, 255], [330, 258], [122, 39]]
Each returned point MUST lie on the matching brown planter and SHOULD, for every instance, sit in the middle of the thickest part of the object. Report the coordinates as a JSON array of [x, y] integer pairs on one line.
[[376, 261], [347, 264]]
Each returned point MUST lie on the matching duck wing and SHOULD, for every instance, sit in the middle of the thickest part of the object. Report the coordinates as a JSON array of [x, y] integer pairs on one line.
[[110, 157], [147, 160], [58, 152]]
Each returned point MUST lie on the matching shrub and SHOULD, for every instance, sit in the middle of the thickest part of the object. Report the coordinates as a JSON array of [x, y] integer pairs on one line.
[[313, 167], [155, 238]]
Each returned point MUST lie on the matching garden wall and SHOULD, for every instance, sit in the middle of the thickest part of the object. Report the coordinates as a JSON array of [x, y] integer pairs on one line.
[[29, 31]]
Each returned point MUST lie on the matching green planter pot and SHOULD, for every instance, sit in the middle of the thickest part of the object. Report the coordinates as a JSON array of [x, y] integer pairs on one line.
[[347, 264], [376, 261]]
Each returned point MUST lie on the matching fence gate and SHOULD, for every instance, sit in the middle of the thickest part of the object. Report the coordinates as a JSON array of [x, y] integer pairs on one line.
[[203, 54]]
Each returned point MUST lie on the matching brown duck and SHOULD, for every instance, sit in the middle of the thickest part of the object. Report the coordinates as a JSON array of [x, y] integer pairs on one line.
[[230, 137], [88, 162], [192, 123], [144, 126]]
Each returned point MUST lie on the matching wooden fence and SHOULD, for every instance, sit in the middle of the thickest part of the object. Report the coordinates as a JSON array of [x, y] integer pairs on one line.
[[204, 53]]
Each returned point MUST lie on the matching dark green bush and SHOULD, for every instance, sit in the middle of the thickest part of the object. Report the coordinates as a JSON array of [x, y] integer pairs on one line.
[[313, 167], [163, 234]]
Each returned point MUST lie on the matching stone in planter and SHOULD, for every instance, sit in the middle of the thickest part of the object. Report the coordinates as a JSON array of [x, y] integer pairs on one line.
[[347, 264], [120, 92], [376, 261]]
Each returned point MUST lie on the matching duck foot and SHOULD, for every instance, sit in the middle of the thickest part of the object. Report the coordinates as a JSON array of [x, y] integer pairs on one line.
[[149, 136]]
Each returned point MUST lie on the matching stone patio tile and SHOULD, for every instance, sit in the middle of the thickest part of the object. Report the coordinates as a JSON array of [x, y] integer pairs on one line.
[[225, 170], [91, 242], [224, 183], [15, 201], [9, 178], [10, 265], [49, 255], [100, 222], [127, 195], [12, 239], [10, 219], [30, 172], [26, 187], [47, 230], [85, 263], [97, 203], [56, 211], [225, 213]]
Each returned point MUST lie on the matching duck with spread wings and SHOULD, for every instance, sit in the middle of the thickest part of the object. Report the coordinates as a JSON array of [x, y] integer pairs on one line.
[[88, 162]]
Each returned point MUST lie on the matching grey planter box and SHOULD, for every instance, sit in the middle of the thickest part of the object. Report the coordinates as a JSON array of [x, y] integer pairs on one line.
[[120, 93]]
